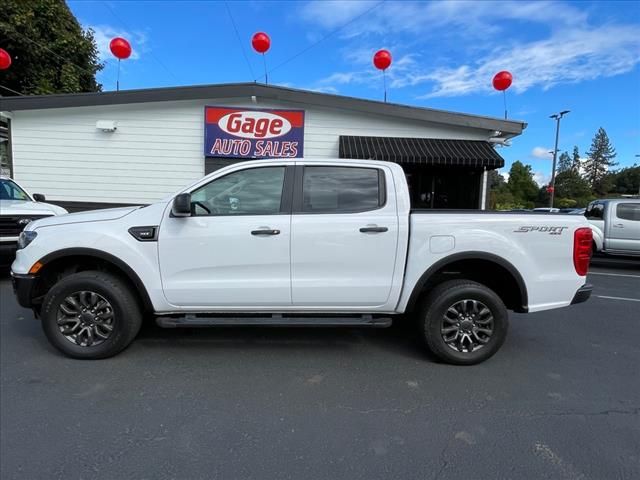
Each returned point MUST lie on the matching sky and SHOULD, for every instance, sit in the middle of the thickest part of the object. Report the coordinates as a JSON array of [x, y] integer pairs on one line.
[[577, 56]]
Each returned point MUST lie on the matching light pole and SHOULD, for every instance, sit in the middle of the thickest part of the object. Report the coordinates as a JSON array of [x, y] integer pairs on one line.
[[552, 184], [638, 186]]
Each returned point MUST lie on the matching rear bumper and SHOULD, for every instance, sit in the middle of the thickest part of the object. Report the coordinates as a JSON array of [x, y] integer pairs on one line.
[[23, 287], [583, 294]]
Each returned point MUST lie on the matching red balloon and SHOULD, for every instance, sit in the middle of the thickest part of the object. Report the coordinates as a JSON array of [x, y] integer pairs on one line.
[[502, 80], [5, 59], [120, 48], [260, 42], [382, 59]]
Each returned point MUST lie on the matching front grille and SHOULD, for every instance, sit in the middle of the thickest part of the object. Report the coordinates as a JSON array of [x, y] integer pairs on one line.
[[10, 225]]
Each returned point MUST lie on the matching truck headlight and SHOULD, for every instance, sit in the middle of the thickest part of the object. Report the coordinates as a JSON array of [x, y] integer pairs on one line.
[[26, 238]]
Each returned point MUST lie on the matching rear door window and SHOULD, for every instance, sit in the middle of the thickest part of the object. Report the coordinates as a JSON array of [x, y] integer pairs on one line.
[[628, 211], [342, 189]]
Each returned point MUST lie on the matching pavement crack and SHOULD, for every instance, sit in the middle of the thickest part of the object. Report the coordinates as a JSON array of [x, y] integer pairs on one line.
[[377, 410], [443, 460], [630, 411]]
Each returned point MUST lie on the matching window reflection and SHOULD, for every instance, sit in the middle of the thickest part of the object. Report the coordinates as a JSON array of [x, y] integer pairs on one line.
[[256, 191], [340, 189]]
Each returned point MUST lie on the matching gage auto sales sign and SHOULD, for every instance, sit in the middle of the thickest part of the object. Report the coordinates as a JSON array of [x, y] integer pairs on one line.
[[250, 133]]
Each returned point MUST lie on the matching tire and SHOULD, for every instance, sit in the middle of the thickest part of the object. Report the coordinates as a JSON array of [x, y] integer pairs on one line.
[[113, 327], [454, 294]]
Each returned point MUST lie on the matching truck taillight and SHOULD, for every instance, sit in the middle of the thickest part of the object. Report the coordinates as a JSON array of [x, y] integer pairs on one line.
[[582, 240]]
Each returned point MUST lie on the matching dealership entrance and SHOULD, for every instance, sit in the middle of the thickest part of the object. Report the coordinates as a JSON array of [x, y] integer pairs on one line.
[[441, 173], [443, 188]]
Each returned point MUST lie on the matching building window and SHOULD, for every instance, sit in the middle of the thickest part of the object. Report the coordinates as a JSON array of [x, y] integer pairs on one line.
[[6, 164]]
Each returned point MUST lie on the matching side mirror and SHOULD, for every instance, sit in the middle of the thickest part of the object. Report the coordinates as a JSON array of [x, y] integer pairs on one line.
[[38, 197], [181, 205]]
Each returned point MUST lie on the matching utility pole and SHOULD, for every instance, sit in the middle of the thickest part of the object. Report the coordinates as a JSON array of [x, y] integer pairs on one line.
[[552, 184]]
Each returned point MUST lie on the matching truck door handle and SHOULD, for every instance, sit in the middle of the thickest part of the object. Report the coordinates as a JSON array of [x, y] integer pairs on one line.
[[265, 231], [374, 229], [619, 225]]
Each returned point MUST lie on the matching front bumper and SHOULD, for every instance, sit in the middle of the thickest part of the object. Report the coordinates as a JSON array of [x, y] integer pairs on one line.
[[583, 294], [23, 287]]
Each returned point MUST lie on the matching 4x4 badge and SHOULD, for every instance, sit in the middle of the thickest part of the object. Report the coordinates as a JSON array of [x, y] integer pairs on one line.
[[542, 229]]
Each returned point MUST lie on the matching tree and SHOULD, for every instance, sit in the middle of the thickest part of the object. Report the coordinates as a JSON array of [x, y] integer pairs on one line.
[[50, 50], [599, 161], [576, 163], [500, 197], [564, 162], [522, 185], [571, 190], [627, 180]]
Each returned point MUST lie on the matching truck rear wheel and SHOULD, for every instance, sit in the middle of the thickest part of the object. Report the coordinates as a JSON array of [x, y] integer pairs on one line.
[[91, 315], [463, 322]]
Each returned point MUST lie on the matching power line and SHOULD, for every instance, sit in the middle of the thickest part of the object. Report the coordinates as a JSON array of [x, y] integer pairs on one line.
[[333, 32], [244, 54], [12, 91], [157, 59]]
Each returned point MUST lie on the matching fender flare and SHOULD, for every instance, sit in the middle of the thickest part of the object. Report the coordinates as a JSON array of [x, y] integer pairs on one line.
[[598, 237], [107, 257], [472, 255]]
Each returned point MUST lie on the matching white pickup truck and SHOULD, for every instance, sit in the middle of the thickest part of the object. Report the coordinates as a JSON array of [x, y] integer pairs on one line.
[[17, 208], [305, 242]]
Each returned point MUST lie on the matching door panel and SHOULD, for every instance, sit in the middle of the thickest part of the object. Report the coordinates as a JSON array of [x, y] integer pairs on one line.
[[234, 249], [624, 227], [217, 261], [333, 262]]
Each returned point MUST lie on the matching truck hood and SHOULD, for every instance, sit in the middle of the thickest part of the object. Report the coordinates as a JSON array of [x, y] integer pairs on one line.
[[80, 217], [26, 207]]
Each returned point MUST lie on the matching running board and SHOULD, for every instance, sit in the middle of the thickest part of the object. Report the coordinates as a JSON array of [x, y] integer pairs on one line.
[[276, 320]]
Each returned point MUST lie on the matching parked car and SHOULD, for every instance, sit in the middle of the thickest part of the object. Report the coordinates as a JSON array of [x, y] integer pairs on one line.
[[577, 211], [310, 242], [616, 225], [17, 209], [546, 209]]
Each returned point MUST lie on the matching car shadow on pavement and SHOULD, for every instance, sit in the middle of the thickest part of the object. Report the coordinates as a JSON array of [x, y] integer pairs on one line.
[[401, 338], [617, 263]]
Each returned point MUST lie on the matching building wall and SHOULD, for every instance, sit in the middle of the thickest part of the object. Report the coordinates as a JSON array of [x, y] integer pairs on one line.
[[158, 147]]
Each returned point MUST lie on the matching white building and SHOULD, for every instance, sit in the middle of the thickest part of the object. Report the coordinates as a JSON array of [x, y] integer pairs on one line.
[[129, 147]]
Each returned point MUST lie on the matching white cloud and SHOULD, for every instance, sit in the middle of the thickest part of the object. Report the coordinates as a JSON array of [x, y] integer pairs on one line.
[[475, 17], [542, 152], [570, 56], [105, 33], [331, 14], [367, 75], [569, 48], [541, 178]]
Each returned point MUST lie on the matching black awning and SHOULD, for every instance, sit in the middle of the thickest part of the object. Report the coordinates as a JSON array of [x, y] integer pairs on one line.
[[426, 151]]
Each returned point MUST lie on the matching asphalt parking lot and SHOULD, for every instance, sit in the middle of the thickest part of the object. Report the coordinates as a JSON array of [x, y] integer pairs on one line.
[[561, 400]]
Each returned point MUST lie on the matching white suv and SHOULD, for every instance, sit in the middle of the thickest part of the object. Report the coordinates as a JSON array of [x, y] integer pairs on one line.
[[17, 209]]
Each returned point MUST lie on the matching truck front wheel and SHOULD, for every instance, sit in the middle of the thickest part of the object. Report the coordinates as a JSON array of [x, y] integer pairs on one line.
[[91, 315], [463, 322]]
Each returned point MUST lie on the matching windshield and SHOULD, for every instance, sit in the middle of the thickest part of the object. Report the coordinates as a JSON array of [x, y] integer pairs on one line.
[[10, 191]]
